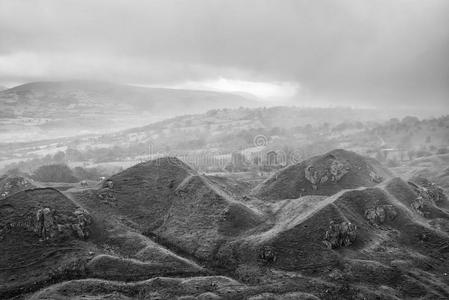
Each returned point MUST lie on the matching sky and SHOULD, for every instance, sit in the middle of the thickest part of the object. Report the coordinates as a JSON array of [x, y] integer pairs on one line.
[[383, 53]]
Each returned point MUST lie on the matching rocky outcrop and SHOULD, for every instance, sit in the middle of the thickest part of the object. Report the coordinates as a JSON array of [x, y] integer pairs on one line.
[[107, 196], [340, 234], [14, 184], [331, 169], [380, 214], [51, 225], [267, 255], [375, 178], [427, 192]]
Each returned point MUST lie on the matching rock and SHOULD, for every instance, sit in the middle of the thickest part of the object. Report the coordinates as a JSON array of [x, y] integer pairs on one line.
[[379, 214], [427, 192], [267, 254], [375, 178], [46, 227], [311, 175], [331, 169], [337, 170], [418, 204], [107, 196], [340, 235], [49, 224], [109, 184]]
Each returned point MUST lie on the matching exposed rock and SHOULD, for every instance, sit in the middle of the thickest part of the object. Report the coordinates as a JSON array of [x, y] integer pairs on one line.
[[340, 235], [11, 185], [267, 254], [379, 214], [418, 204], [45, 223], [107, 196], [375, 178], [109, 184], [49, 224], [427, 192], [331, 169]]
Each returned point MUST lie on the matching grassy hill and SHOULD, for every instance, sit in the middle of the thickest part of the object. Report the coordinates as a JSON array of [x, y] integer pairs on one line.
[[175, 233], [324, 174]]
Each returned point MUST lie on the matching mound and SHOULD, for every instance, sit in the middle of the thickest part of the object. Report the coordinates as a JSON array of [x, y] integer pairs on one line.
[[359, 232], [167, 201], [201, 217], [144, 193], [10, 185], [323, 175], [42, 235]]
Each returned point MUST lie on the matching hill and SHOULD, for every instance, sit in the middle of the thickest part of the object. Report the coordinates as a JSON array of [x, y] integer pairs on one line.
[[394, 234], [51, 238], [324, 174], [43, 245], [176, 233], [168, 201], [40, 110]]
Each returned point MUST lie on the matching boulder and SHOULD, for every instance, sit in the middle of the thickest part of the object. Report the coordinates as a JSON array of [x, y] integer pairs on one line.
[[340, 234], [267, 255], [376, 178], [331, 169], [380, 214], [51, 225]]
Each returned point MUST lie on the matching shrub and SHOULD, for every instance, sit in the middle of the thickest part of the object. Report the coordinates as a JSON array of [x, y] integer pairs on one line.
[[55, 173]]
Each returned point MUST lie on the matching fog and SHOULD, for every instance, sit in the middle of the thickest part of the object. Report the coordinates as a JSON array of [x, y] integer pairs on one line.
[[388, 54]]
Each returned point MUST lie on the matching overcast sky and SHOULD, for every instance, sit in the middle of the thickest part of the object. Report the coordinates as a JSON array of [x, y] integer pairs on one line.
[[369, 53]]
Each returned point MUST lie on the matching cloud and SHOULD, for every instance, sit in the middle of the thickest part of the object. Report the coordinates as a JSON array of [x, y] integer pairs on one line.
[[348, 51]]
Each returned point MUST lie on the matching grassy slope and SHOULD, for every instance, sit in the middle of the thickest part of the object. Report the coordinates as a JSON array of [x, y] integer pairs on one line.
[[189, 213]]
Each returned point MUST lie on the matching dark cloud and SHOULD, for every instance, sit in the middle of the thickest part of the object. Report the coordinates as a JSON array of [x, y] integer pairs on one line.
[[348, 52]]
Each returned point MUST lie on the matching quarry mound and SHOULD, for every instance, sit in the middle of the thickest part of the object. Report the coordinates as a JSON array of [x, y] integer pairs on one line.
[[324, 174]]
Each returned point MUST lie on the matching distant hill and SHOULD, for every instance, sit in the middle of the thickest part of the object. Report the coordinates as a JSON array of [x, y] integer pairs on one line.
[[48, 109]]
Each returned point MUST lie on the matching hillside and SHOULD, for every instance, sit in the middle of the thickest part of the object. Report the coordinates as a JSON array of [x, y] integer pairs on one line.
[[24, 247], [324, 174], [175, 233], [42, 110], [10, 185], [394, 235], [168, 201]]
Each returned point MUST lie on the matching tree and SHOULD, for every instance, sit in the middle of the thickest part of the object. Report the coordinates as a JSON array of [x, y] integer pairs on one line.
[[55, 173]]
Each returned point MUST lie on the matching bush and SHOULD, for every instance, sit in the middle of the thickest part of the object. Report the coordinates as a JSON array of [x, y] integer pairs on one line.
[[55, 173]]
